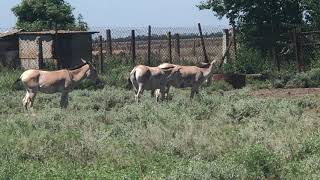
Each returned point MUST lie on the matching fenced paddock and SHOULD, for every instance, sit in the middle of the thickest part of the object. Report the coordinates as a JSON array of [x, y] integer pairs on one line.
[[189, 45], [105, 134]]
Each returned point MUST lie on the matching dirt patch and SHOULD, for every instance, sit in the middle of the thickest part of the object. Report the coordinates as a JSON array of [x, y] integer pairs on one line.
[[286, 92]]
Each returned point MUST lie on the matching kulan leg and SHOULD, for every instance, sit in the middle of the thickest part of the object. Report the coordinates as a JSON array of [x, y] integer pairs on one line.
[[140, 91], [158, 94], [32, 96], [153, 93], [28, 99], [135, 89], [198, 94], [163, 93], [192, 94], [25, 101], [194, 90], [64, 100], [167, 92]]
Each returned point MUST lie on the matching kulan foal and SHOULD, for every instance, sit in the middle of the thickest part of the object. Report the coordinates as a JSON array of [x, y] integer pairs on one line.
[[55, 81]]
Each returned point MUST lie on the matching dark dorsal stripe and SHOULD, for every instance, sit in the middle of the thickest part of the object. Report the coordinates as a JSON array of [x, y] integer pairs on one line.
[[77, 67], [166, 68]]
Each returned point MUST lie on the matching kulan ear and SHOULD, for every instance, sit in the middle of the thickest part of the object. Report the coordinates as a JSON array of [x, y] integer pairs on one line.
[[84, 61]]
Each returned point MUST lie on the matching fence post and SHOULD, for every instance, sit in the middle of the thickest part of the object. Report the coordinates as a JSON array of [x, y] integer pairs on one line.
[[274, 57], [109, 42], [149, 45], [178, 47], [206, 59], [274, 48], [297, 47], [40, 52], [101, 54], [300, 42], [170, 47], [224, 55], [133, 46], [225, 44], [194, 48], [234, 41], [159, 51], [54, 45]]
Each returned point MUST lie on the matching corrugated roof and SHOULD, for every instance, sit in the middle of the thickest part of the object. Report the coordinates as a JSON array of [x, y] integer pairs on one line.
[[10, 33], [58, 32]]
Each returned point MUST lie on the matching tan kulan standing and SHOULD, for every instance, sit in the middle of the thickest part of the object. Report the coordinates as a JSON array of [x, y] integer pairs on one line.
[[190, 76], [48, 82], [149, 78]]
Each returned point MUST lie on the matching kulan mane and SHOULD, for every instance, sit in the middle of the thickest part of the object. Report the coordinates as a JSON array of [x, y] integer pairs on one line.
[[79, 66]]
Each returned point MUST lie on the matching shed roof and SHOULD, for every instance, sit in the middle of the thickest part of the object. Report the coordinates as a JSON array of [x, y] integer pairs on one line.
[[21, 31], [57, 32], [10, 33]]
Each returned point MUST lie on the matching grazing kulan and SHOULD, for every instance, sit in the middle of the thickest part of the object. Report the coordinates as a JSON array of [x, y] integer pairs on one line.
[[190, 76], [149, 78], [55, 81]]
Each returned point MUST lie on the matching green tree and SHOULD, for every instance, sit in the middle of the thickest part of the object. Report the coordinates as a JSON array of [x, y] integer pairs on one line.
[[312, 13], [35, 15], [258, 20], [257, 11], [81, 24]]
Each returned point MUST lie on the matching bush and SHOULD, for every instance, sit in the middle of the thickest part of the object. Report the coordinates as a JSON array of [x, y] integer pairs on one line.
[[219, 85], [116, 73], [301, 80], [309, 79], [250, 61], [259, 162], [314, 75], [315, 60]]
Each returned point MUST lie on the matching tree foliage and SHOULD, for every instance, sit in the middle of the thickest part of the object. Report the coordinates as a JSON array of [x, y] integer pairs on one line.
[[312, 12], [257, 11], [259, 21], [35, 15]]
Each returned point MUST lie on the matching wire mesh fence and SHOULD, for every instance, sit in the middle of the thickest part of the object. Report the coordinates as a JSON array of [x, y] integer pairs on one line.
[[158, 44], [155, 45], [309, 45]]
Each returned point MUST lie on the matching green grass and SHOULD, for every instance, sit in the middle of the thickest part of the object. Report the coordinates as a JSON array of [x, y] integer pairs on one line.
[[104, 134]]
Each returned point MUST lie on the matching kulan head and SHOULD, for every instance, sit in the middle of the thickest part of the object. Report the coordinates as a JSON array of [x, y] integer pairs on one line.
[[92, 72]]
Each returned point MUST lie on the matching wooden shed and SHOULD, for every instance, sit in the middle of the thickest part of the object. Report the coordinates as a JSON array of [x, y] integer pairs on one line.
[[58, 49], [9, 48], [63, 49]]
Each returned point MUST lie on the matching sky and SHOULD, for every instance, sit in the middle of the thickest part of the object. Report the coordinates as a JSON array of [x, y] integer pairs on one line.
[[130, 13]]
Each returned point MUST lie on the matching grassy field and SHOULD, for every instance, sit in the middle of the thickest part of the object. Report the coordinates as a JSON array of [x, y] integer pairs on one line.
[[105, 134]]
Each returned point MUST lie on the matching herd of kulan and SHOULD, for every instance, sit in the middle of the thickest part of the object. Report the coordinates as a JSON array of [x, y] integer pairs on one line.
[[156, 79]]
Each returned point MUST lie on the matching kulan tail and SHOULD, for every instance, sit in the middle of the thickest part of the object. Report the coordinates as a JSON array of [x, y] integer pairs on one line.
[[129, 84], [131, 78], [13, 85]]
